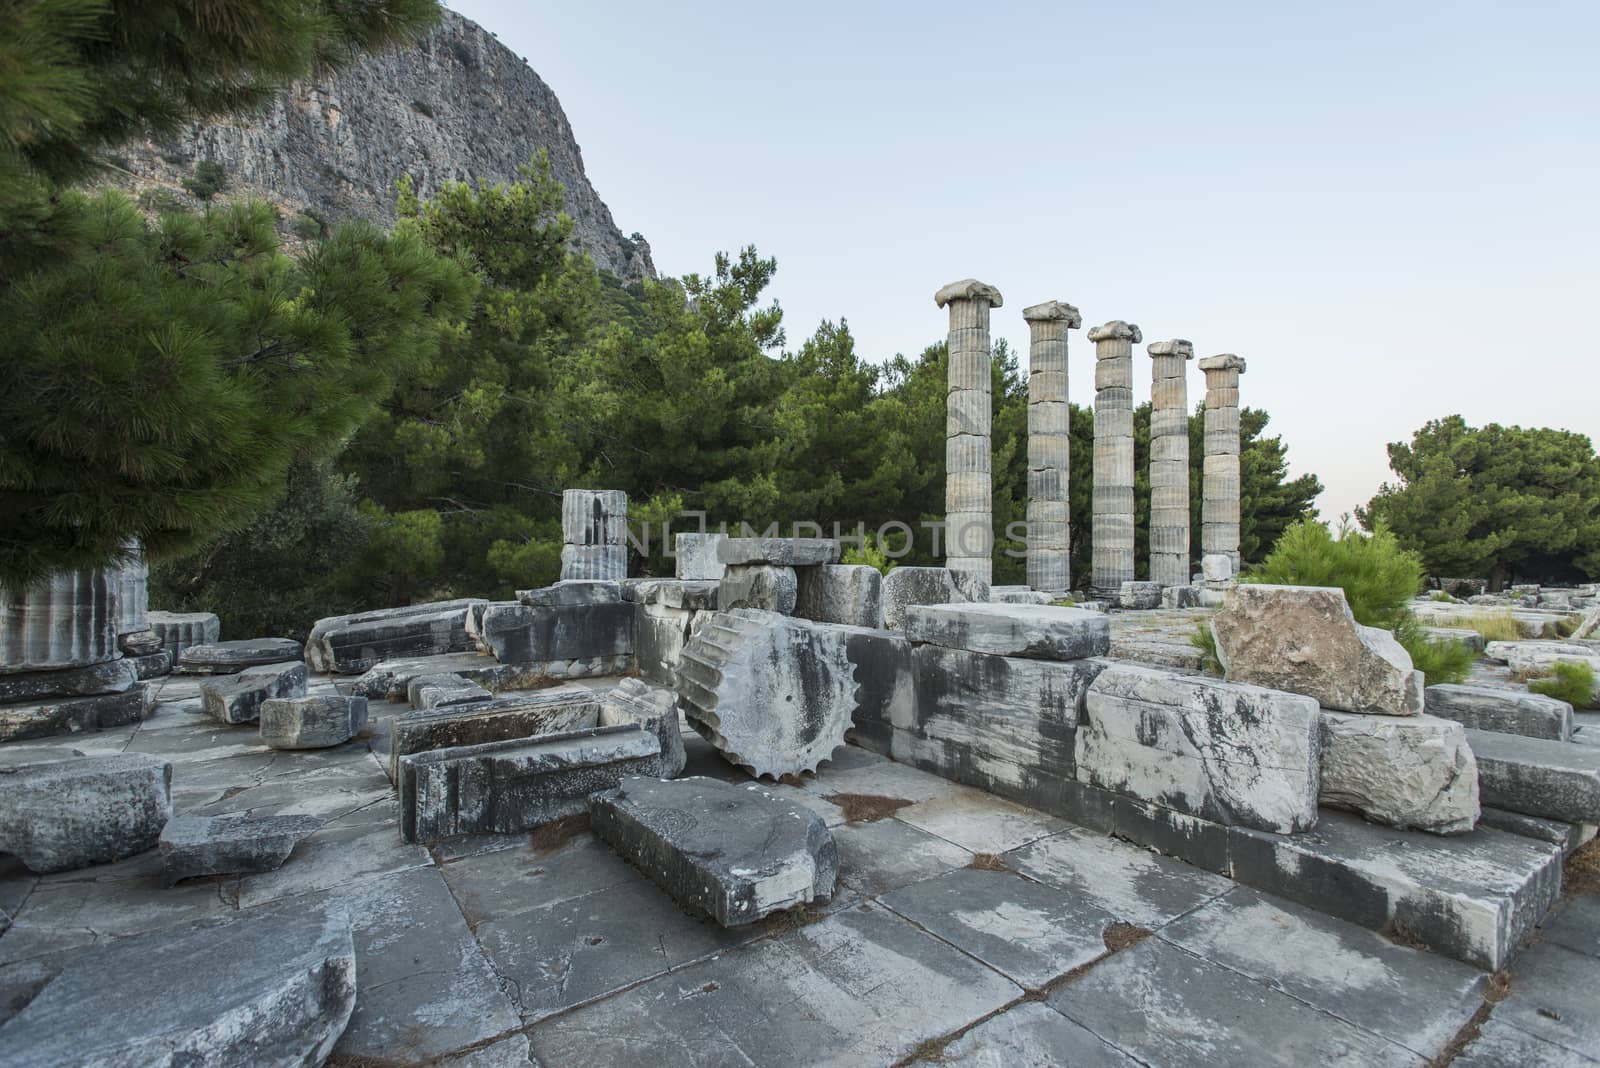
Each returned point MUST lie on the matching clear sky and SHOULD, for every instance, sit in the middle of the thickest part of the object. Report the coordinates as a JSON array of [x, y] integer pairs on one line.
[[1391, 210]]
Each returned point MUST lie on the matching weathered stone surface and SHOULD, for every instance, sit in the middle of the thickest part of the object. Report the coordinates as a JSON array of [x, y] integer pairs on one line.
[[697, 557], [1216, 568], [153, 665], [67, 620], [573, 592], [907, 586], [775, 694], [694, 594], [1540, 657], [497, 720], [179, 630], [390, 680], [512, 786], [226, 658], [237, 698], [140, 642], [1538, 777], [1461, 635], [1568, 836], [352, 644], [1032, 632], [518, 633], [1018, 595], [769, 588], [1235, 754], [594, 562], [1506, 711], [780, 552], [311, 722], [655, 708], [851, 594], [1303, 639], [1181, 596], [1219, 504], [192, 846], [66, 814], [732, 852], [109, 676], [272, 986], [1032, 1035], [1139, 595], [75, 715], [1112, 496], [1410, 772], [133, 591], [444, 691], [659, 634], [594, 517]]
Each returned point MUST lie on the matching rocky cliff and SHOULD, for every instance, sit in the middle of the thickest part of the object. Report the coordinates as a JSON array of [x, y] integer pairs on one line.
[[457, 105]]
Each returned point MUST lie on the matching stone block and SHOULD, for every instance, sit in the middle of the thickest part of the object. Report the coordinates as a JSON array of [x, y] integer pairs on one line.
[[513, 786], [907, 586], [697, 557], [179, 630], [1139, 595], [1180, 596], [573, 592], [273, 986], [594, 517], [1034, 632], [781, 552], [767, 587], [237, 698], [594, 562], [1538, 777], [444, 691], [64, 814], [76, 715], [655, 709], [1019, 595], [391, 679], [696, 595], [108, 676], [352, 644], [228, 658], [497, 720], [1568, 836], [237, 843], [773, 693], [1216, 567], [517, 633], [152, 665], [1411, 772], [69, 619], [660, 633], [1540, 657], [1303, 639], [1506, 711], [311, 722], [1234, 754], [851, 594], [1470, 638], [733, 852], [140, 642]]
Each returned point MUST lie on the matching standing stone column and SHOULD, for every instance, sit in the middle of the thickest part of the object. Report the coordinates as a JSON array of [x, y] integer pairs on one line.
[[1113, 455], [1049, 427], [1169, 462], [594, 532], [1219, 505], [969, 522]]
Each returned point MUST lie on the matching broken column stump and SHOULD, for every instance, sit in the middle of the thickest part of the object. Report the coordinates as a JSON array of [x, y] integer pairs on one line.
[[733, 852]]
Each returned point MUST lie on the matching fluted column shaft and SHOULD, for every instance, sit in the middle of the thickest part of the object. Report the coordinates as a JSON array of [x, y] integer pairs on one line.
[[1113, 455], [1219, 505], [1049, 451], [594, 534], [1169, 462], [969, 520]]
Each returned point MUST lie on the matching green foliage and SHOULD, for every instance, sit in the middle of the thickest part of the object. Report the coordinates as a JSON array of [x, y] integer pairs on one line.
[[1439, 659], [1569, 681], [1206, 642], [208, 180], [1441, 597], [870, 554], [1506, 503], [309, 225], [1378, 577]]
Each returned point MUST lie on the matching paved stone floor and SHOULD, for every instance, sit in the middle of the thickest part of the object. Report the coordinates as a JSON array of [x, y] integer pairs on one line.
[[965, 930]]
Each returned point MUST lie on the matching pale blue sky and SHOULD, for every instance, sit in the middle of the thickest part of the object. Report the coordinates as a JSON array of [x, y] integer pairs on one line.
[[1389, 209]]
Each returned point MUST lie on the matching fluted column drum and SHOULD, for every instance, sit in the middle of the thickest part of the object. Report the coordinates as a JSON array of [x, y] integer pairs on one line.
[[68, 620]]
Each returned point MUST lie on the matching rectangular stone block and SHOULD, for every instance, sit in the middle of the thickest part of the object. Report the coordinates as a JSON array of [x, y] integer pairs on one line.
[[660, 633], [851, 594], [349, 645], [1233, 754], [1034, 632], [1506, 711], [75, 715], [1538, 777], [495, 720], [783, 552], [594, 562], [697, 557], [518, 633], [444, 691], [1051, 451], [573, 592], [594, 517]]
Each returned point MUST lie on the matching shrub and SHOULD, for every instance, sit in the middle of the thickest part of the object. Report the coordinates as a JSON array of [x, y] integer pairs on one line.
[[1203, 640], [1439, 659], [309, 225], [1441, 597], [208, 180], [1570, 682], [1379, 578], [870, 553], [422, 107]]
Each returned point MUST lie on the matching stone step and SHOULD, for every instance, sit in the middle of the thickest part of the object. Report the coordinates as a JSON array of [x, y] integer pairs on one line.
[[1537, 777], [1491, 708]]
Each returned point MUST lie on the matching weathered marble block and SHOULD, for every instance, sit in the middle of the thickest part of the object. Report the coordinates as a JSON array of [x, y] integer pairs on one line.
[[780, 552], [1412, 772], [697, 556], [694, 594], [594, 562], [109, 676], [1019, 595], [497, 720], [227, 658], [765, 587], [851, 594], [594, 517], [654, 708], [237, 698], [179, 630], [236, 843], [311, 722], [513, 786], [65, 814], [349, 645], [660, 633], [444, 691], [1035, 632], [1303, 639], [518, 633], [140, 642], [573, 592], [67, 620], [1234, 754], [272, 986], [730, 851], [907, 586], [152, 665], [1538, 777], [1139, 595], [76, 715], [1507, 711]]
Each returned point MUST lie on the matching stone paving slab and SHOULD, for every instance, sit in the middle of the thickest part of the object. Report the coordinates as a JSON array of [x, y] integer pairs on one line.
[[862, 987], [1032, 1035], [884, 855], [1555, 996], [360, 844], [505, 882], [1575, 924], [1165, 1006], [978, 821], [1133, 884], [1500, 1045]]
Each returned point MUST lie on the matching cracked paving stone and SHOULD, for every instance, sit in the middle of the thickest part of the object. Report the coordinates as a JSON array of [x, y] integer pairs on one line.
[[356, 846], [1032, 1036], [1554, 991], [978, 821], [1500, 1045], [884, 855], [499, 884]]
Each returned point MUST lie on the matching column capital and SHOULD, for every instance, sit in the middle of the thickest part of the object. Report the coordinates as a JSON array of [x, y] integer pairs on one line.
[[1226, 361], [1115, 330], [968, 289], [1053, 310], [1176, 347]]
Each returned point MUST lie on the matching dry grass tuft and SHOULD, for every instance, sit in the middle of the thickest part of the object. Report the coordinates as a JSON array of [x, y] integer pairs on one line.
[[1120, 935], [987, 862], [1494, 626], [867, 808], [558, 833], [1581, 874], [1401, 935], [1494, 992]]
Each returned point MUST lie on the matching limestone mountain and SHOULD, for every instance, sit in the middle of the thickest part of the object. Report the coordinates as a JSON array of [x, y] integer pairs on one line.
[[456, 105]]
